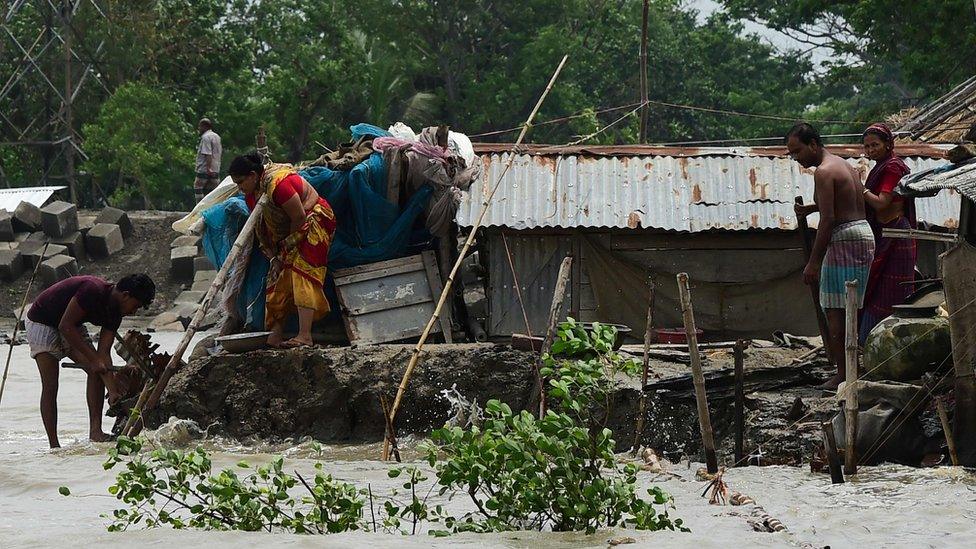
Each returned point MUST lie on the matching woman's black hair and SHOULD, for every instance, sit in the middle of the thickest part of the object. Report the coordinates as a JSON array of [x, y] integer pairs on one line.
[[245, 164], [139, 286]]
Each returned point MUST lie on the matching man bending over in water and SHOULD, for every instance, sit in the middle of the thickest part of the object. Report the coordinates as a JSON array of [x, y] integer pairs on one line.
[[54, 331], [844, 247]]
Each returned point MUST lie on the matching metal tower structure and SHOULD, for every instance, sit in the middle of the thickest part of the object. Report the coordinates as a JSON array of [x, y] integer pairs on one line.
[[51, 63]]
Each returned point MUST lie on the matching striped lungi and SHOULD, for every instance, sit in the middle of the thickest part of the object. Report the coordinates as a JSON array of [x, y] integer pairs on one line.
[[848, 257]]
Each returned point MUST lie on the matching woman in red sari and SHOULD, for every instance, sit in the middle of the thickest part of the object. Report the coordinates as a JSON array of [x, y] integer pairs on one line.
[[893, 269], [295, 233]]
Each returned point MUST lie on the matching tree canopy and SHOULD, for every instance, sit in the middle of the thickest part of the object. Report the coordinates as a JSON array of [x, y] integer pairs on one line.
[[308, 69]]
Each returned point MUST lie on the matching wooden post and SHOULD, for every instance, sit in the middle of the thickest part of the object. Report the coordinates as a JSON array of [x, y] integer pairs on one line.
[[558, 297], [950, 442], [147, 400], [801, 223], [830, 448], [643, 75], [704, 420], [415, 355], [740, 400], [649, 325], [850, 390]]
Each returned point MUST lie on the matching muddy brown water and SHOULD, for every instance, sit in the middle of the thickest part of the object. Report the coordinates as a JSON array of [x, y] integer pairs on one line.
[[885, 506]]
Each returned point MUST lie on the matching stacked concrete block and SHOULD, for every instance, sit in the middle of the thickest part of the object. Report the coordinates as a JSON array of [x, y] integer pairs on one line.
[[21, 237], [104, 240], [85, 223], [181, 263], [75, 243], [32, 252], [59, 219], [38, 236], [6, 226], [56, 269], [202, 264], [201, 285], [189, 297], [9, 245], [207, 276], [185, 240], [115, 216], [27, 218], [11, 265]]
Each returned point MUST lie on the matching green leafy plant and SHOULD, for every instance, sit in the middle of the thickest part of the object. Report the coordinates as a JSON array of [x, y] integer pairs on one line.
[[558, 472]]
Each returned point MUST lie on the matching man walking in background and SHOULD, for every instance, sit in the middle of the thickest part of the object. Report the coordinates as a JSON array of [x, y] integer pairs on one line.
[[208, 160], [844, 247]]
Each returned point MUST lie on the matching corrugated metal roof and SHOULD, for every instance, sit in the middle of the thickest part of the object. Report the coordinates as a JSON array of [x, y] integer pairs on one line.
[[665, 192], [948, 118], [11, 198], [845, 151], [960, 177]]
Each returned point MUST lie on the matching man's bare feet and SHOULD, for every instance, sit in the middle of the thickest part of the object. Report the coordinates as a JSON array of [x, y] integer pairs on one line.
[[100, 437], [832, 383]]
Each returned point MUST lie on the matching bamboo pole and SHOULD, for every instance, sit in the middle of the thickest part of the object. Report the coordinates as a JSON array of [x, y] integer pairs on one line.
[[648, 329], [740, 399], [518, 288], [445, 292], [830, 448], [850, 390], [148, 400], [801, 224], [950, 442], [704, 420], [20, 318], [558, 297], [643, 75]]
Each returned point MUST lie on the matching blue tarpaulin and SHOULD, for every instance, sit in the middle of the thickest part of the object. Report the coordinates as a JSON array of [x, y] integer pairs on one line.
[[370, 228]]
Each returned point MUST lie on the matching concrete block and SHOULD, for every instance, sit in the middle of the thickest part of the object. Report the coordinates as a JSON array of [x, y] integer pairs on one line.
[[27, 218], [6, 226], [38, 236], [115, 216], [59, 218], [85, 223], [56, 269], [208, 276], [202, 264], [181, 263], [20, 237], [75, 243], [164, 318], [11, 265], [32, 252], [189, 297], [104, 240], [9, 245], [198, 285], [185, 240]]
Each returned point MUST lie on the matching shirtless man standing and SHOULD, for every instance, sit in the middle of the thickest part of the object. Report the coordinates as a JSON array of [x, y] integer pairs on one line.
[[844, 247]]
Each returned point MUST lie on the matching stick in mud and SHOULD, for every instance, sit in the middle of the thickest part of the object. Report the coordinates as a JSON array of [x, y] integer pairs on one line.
[[446, 291], [950, 442], [20, 318], [704, 420], [850, 390], [740, 399], [648, 327], [830, 448], [558, 297]]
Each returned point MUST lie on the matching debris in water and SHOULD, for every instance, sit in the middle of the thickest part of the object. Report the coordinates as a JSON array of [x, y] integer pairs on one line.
[[620, 541], [463, 413]]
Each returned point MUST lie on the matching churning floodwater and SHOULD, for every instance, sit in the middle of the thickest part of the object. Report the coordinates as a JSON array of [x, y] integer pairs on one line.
[[886, 506]]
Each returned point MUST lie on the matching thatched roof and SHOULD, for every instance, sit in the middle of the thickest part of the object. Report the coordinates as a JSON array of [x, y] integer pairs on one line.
[[948, 119]]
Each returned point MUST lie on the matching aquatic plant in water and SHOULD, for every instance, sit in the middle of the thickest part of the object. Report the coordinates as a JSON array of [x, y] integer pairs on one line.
[[520, 472]]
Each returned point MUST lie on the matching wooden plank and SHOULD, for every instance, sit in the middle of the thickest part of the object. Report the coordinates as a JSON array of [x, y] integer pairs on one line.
[[387, 305], [379, 265], [704, 419], [642, 240], [830, 448], [916, 234], [740, 401], [429, 261], [345, 280], [850, 389]]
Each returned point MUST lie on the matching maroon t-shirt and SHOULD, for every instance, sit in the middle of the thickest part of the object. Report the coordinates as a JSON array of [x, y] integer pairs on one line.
[[93, 295]]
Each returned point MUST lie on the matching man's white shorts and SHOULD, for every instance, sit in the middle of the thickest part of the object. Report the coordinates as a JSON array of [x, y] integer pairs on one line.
[[45, 339]]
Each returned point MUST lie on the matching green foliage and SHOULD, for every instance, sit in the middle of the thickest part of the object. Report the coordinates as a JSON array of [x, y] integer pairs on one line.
[[138, 142], [558, 472], [181, 490]]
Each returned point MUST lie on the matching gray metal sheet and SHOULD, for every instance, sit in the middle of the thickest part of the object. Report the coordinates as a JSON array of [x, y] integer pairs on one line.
[[672, 193], [11, 198]]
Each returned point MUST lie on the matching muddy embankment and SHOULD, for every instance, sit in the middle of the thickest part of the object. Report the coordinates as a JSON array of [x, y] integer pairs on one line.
[[333, 395]]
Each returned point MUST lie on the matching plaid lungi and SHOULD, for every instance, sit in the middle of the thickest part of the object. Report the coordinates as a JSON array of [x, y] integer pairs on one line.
[[848, 257]]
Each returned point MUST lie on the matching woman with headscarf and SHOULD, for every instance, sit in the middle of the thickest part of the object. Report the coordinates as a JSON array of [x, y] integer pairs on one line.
[[295, 233], [893, 269]]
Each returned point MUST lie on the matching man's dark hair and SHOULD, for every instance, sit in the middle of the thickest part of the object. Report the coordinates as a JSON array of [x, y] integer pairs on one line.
[[206, 123], [806, 133], [138, 286]]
